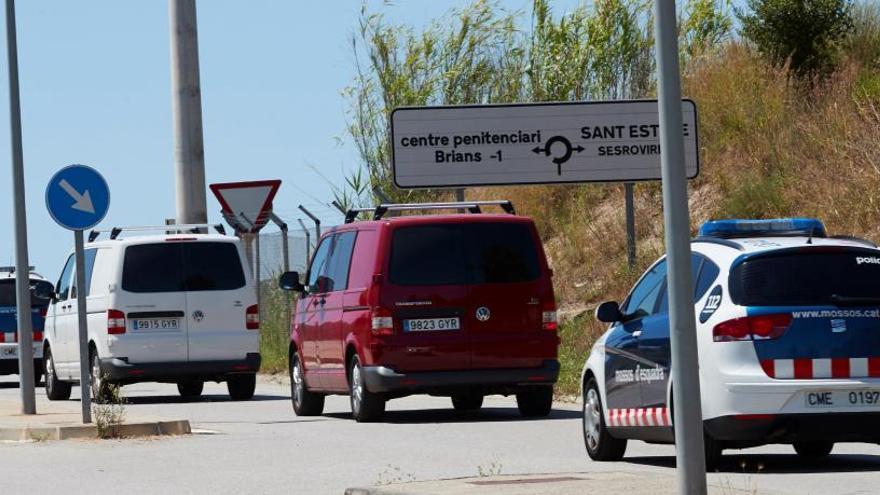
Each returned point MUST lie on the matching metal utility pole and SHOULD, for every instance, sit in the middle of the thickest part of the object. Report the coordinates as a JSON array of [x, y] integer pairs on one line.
[[285, 252], [317, 224], [22, 268], [688, 419], [186, 97], [83, 329], [308, 242], [630, 225]]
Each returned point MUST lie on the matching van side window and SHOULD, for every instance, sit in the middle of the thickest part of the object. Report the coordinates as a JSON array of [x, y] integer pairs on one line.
[[340, 261], [90, 266], [318, 268], [63, 285]]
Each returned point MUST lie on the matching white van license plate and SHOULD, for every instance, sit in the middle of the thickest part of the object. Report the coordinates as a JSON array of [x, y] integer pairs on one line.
[[157, 324], [843, 398], [430, 324]]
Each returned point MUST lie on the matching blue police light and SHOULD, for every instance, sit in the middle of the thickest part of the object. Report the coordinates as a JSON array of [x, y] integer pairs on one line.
[[756, 228]]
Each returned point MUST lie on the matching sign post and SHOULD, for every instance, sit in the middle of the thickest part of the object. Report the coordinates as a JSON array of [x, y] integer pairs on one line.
[[687, 409], [78, 198]]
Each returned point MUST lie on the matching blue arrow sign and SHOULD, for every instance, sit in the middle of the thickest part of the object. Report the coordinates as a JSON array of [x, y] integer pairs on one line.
[[77, 197]]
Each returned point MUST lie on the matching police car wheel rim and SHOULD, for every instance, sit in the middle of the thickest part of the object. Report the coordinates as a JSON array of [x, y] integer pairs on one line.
[[592, 419], [297, 382]]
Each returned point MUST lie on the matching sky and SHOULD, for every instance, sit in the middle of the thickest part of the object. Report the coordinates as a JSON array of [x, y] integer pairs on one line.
[[96, 90]]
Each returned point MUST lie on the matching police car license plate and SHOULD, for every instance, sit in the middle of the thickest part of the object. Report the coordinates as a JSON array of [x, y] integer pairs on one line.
[[430, 324], [156, 324], [843, 398]]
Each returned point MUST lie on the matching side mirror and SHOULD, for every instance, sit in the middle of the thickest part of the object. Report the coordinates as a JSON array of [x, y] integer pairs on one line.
[[290, 281], [609, 312]]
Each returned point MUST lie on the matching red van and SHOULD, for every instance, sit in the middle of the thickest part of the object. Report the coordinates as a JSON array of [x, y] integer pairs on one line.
[[457, 305]]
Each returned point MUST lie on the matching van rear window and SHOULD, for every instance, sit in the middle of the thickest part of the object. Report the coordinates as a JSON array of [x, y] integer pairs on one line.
[[455, 254], [808, 278], [7, 294], [178, 267]]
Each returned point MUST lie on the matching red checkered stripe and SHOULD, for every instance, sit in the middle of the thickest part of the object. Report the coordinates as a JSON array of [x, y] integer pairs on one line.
[[652, 416], [867, 367], [10, 337]]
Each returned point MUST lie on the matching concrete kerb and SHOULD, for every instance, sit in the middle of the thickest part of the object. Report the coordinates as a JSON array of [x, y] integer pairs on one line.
[[80, 431], [595, 483]]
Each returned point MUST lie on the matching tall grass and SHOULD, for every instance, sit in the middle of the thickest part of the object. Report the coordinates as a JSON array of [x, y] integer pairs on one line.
[[275, 326]]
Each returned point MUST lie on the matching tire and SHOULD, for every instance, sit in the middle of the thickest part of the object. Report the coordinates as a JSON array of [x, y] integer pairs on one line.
[[467, 402], [813, 450], [305, 403], [241, 387], [190, 388], [601, 446], [714, 453], [98, 386], [535, 402], [366, 407], [55, 388]]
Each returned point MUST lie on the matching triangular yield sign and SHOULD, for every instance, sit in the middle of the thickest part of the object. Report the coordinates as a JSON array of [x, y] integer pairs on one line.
[[247, 204]]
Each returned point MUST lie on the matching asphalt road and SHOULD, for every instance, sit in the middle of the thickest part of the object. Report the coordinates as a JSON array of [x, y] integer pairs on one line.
[[262, 447]]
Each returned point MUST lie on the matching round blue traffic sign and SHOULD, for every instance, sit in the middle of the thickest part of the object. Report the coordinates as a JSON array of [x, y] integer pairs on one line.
[[77, 197]]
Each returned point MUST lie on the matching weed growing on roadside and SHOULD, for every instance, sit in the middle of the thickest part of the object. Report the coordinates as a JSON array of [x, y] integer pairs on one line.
[[108, 410], [493, 468], [393, 474]]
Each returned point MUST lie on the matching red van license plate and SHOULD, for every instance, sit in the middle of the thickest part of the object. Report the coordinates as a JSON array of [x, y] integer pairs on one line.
[[430, 324]]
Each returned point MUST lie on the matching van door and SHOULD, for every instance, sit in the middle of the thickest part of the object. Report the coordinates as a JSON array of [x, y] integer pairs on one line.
[[426, 292], [509, 290], [328, 338], [310, 312], [154, 302], [62, 317], [217, 299]]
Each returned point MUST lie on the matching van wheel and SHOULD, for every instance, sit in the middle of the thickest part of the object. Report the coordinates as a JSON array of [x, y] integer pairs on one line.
[[55, 388], [601, 446], [535, 402], [241, 387], [190, 388], [813, 450], [305, 403], [366, 407], [467, 402], [99, 387]]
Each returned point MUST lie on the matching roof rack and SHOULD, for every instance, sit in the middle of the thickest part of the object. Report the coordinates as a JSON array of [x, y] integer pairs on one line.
[[855, 239], [471, 206], [190, 228], [721, 241], [11, 269]]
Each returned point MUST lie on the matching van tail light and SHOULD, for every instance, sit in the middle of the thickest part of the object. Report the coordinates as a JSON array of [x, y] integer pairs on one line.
[[548, 317], [383, 321], [115, 322], [252, 318], [763, 327]]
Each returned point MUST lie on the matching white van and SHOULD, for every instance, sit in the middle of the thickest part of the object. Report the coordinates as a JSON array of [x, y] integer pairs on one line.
[[168, 308]]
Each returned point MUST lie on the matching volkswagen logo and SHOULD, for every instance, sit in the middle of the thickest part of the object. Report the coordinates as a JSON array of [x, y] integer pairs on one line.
[[198, 315], [483, 313]]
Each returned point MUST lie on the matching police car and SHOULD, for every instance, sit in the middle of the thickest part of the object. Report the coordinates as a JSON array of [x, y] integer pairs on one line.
[[788, 331], [40, 287]]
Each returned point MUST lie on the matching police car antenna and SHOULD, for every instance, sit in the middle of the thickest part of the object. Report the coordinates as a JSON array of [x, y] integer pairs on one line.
[[810, 239]]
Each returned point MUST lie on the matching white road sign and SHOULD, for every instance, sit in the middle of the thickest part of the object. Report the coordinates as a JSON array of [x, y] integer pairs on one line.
[[540, 143], [246, 205]]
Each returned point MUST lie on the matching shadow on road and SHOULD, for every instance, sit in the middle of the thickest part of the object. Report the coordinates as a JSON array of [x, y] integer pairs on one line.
[[170, 399], [486, 414], [777, 463], [10, 385]]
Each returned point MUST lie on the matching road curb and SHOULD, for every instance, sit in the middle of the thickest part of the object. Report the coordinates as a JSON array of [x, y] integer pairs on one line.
[[79, 431]]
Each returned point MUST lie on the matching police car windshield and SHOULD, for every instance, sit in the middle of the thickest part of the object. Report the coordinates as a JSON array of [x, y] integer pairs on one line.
[[843, 277], [7, 294]]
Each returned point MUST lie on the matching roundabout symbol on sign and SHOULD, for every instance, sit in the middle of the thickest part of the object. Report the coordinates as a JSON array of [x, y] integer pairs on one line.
[[558, 159]]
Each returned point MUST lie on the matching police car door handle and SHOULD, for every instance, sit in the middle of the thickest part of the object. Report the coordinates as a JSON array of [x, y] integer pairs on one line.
[[637, 334]]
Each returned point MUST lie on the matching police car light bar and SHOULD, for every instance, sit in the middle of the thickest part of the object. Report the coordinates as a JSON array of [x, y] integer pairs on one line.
[[725, 229]]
